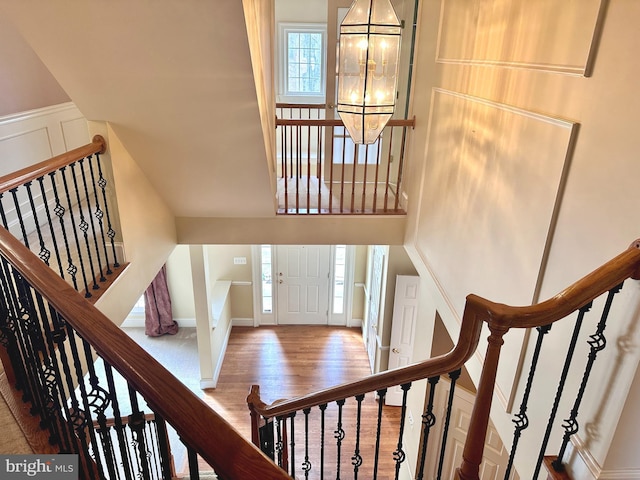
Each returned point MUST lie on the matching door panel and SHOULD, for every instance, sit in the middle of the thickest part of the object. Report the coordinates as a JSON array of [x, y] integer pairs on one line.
[[303, 284], [373, 308], [403, 328]]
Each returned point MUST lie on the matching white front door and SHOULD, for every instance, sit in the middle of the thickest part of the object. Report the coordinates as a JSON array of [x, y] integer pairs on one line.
[[403, 328], [303, 284]]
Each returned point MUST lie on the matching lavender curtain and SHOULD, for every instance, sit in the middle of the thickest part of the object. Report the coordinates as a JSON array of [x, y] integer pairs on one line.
[[158, 319]]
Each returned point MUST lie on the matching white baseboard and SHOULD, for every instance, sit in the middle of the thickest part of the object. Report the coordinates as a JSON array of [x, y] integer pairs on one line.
[[207, 383], [221, 354], [356, 323], [242, 322]]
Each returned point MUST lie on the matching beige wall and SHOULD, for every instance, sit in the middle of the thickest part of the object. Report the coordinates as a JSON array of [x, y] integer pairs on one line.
[[25, 83], [180, 285], [508, 197]]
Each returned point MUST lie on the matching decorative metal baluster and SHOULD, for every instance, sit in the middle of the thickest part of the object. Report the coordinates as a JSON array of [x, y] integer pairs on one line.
[[428, 421], [399, 455], [597, 342], [561, 383], [102, 183], [292, 444], [356, 460], [93, 227], [163, 442], [453, 376], [56, 403], [306, 465], [323, 409], [99, 215], [119, 426], [279, 444], [54, 240], [83, 226], [381, 396], [44, 253], [16, 204], [136, 423], [194, 472], [82, 418], [99, 400], [521, 420], [339, 436], [59, 210]]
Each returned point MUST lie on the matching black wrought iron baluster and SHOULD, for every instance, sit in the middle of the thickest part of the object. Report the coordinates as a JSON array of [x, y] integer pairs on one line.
[[3, 214], [136, 424], [102, 183], [356, 460], [152, 450], [45, 253], [521, 420], [75, 415], [99, 400], [428, 421], [323, 409], [99, 215], [597, 342], [306, 465], [292, 445], [8, 330], [279, 443], [339, 436], [561, 383], [83, 225], [56, 403], [82, 418], [381, 396], [119, 426], [74, 230], [453, 376], [54, 240], [16, 205], [194, 473], [163, 442], [399, 456], [59, 210], [91, 224]]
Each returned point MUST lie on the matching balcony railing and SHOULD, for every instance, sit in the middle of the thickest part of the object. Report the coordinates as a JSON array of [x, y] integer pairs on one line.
[[321, 171]]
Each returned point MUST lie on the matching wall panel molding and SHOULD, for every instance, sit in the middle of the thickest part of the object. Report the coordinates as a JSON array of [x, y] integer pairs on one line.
[[559, 37]]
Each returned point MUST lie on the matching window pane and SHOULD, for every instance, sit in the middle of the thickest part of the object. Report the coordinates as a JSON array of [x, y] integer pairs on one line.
[[338, 286], [304, 68], [267, 287]]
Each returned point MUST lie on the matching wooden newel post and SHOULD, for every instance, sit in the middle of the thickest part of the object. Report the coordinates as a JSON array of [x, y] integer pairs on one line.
[[474, 445], [255, 429]]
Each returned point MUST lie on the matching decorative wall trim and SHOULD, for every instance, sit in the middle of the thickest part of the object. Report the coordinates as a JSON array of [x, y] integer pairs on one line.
[[469, 50], [239, 283], [38, 112]]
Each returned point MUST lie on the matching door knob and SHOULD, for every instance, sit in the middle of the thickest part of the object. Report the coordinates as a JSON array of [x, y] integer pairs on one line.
[[280, 281], [395, 350]]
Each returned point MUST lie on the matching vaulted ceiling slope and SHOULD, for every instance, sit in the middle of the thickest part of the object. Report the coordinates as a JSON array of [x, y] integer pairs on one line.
[[174, 79]]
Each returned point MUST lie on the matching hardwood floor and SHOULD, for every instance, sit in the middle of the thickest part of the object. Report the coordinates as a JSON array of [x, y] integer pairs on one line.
[[287, 361]]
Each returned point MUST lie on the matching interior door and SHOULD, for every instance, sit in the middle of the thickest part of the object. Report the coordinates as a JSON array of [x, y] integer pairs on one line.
[[373, 308], [303, 284], [495, 457], [403, 329]]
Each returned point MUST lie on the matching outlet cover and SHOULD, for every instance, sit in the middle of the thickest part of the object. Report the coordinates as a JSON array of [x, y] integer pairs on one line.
[[239, 260]]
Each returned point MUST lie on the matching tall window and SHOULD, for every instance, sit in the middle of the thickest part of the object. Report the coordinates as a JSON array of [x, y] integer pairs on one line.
[[267, 287], [338, 279], [303, 59]]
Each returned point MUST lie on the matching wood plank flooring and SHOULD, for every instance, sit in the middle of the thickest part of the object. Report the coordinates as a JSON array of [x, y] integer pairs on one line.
[[288, 361]]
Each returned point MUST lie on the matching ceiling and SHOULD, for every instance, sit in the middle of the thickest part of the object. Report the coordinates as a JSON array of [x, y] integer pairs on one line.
[[174, 79]]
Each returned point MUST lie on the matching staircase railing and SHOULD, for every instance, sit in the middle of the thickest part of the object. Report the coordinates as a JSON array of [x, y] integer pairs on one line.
[[321, 171], [274, 426], [60, 209]]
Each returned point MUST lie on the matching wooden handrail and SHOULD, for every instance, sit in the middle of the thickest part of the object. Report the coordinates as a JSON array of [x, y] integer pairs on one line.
[[466, 346], [477, 310], [301, 105], [29, 174], [211, 436], [336, 122]]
